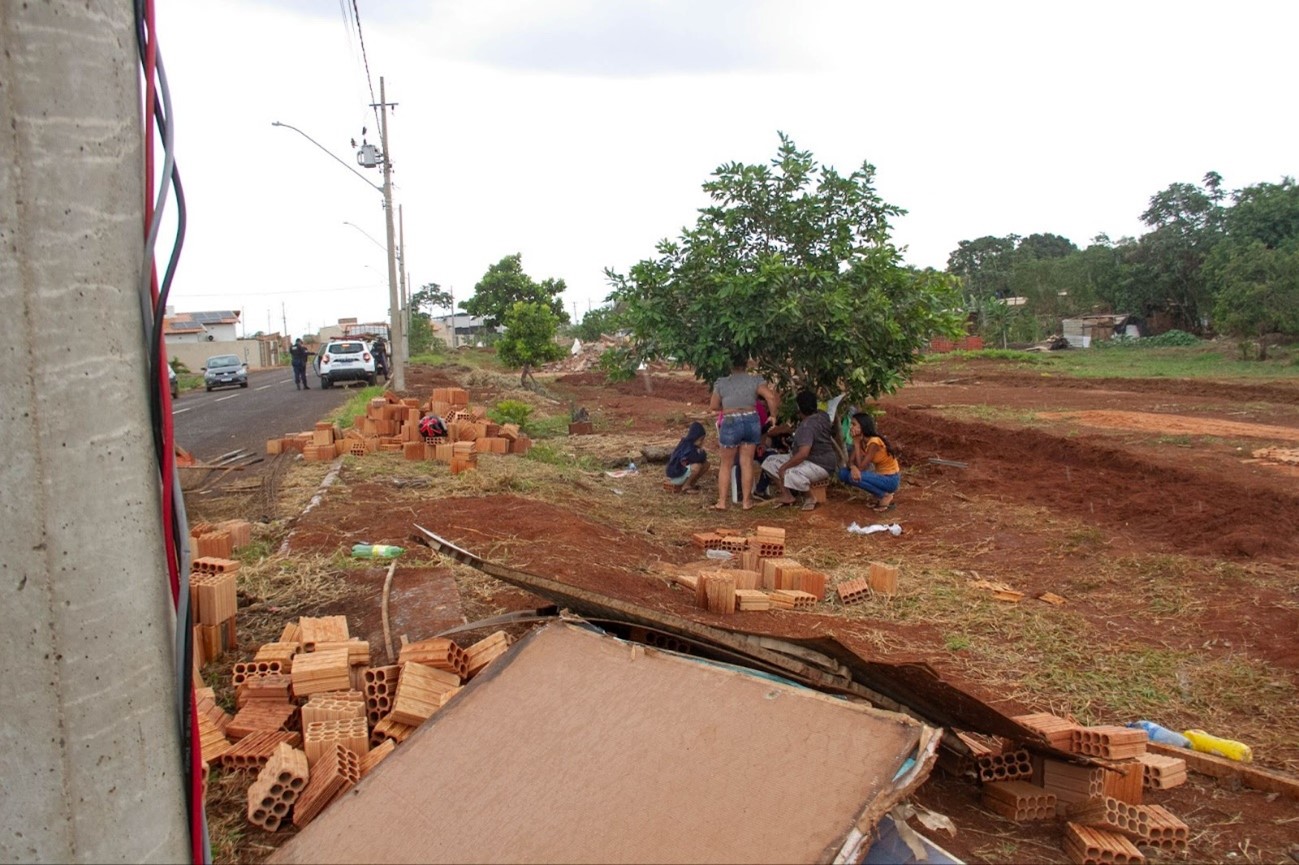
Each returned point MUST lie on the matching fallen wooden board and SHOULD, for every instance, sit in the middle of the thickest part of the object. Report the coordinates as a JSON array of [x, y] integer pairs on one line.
[[626, 754], [1254, 777]]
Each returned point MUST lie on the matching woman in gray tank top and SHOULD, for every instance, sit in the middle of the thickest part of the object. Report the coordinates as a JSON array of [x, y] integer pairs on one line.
[[735, 397]]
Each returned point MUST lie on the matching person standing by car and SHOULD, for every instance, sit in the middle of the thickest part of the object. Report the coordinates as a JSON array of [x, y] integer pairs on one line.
[[380, 351], [299, 354]]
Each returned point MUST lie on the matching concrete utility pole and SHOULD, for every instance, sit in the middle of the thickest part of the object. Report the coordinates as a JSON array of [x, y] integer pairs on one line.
[[395, 330], [90, 761], [405, 286], [451, 292]]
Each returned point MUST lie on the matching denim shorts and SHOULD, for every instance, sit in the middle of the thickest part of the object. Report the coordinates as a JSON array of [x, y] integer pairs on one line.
[[739, 429]]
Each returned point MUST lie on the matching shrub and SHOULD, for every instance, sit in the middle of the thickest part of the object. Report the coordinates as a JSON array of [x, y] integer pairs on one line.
[[510, 411]]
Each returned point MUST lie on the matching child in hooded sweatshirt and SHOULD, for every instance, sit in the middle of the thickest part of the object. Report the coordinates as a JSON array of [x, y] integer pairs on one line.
[[687, 463]]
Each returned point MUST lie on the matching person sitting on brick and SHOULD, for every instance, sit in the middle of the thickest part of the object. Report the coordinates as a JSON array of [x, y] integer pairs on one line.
[[688, 461], [814, 458], [872, 465]]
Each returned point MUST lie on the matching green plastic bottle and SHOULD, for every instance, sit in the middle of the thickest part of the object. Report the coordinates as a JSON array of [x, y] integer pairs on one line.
[[376, 551]]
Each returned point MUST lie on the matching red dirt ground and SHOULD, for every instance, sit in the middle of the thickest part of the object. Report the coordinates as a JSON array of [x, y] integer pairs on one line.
[[1138, 485]]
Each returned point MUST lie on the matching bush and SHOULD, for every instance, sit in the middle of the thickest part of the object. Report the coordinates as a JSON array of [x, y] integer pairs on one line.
[[510, 411]]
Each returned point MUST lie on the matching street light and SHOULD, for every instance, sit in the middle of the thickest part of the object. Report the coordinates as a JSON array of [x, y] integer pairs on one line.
[[395, 328], [368, 237]]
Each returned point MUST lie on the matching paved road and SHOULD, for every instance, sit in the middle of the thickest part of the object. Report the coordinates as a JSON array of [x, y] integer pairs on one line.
[[229, 419]]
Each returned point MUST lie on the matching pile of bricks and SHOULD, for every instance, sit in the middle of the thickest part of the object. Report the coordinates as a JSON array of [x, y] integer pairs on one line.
[[881, 579], [391, 425], [213, 604], [313, 717], [758, 577], [1100, 798]]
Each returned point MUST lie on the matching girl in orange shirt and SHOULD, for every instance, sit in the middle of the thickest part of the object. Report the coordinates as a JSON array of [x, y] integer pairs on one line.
[[871, 465]]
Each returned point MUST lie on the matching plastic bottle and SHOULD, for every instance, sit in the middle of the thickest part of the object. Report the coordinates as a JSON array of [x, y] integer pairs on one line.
[[1162, 735], [1229, 748], [376, 551]]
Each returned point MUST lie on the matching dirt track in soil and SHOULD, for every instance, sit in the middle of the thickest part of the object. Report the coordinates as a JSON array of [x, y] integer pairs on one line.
[[1048, 494]]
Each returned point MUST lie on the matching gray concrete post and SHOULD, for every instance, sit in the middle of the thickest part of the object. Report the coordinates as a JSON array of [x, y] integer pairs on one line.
[[90, 766]]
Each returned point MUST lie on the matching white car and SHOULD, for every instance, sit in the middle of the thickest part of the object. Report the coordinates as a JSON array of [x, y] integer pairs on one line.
[[345, 360]]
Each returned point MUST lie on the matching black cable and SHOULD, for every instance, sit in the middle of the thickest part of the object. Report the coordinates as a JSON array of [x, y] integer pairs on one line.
[[176, 519]]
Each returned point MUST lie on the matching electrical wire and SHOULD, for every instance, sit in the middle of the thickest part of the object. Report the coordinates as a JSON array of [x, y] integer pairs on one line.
[[153, 311], [356, 19]]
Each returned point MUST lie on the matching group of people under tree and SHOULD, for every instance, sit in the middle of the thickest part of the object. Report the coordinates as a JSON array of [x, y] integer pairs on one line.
[[747, 430]]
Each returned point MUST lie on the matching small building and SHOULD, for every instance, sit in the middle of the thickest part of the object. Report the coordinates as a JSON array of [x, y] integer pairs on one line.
[[212, 326], [457, 330], [1082, 332]]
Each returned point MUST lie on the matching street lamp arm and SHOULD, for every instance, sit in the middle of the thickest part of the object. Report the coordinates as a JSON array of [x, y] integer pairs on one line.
[[374, 186], [369, 238]]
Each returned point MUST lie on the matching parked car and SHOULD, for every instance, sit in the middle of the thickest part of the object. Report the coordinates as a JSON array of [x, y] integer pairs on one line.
[[345, 360], [223, 370], [175, 385]]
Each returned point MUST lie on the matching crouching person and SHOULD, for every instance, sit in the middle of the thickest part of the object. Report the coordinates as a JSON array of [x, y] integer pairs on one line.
[[871, 465], [813, 459], [688, 462]]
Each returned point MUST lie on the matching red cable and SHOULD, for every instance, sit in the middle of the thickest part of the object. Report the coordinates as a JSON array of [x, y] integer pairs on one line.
[[168, 456]]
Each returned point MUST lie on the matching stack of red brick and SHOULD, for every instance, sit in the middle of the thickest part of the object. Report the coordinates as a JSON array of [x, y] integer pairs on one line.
[[1099, 802], [313, 717], [212, 585], [391, 425], [758, 576]]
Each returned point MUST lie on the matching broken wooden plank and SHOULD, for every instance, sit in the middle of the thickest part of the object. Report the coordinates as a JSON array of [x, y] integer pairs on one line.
[[1255, 778]]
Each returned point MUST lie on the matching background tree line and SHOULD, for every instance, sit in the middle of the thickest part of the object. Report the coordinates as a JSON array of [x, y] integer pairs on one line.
[[1212, 263], [793, 267]]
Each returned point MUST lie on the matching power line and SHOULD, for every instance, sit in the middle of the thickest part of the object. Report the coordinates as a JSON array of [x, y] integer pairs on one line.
[[356, 19], [189, 295]]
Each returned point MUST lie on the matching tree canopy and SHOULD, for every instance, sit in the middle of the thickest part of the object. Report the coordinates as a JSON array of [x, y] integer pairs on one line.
[[430, 297], [793, 267], [529, 339], [1254, 270], [598, 322], [1210, 263], [505, 284]]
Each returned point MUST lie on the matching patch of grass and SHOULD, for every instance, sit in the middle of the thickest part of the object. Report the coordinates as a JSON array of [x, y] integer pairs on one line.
[[355, 405], [956, 642], [550, 454], [992, 414], [1181, 441], [1204, 360], [548, 427], [255, 550]]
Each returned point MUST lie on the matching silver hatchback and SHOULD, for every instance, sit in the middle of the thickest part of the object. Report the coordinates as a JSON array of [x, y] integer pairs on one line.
[[225, 370]]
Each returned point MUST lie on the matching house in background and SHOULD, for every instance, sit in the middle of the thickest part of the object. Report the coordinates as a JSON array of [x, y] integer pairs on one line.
[[214, 326], [468, 330]]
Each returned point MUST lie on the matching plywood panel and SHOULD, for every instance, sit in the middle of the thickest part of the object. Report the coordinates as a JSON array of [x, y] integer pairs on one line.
[[576, 747]]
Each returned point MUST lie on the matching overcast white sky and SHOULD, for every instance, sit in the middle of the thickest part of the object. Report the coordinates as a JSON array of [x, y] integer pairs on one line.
[[579, 132]]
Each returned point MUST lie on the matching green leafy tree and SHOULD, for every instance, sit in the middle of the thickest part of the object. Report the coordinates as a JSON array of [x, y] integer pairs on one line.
[[529, 339], [1164, 272], [430, 298], [504, 285], [984, 265], [423, 303], [1042, 246], [793, 267], [598, 322], [1254, 269]]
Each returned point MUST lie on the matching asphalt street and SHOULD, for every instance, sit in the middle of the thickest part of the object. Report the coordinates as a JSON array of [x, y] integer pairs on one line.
[[209, 425]]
